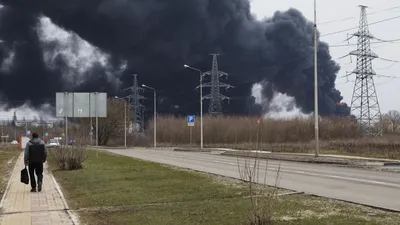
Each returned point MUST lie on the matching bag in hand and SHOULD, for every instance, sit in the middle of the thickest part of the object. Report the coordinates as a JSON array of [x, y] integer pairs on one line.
[[24, 176]]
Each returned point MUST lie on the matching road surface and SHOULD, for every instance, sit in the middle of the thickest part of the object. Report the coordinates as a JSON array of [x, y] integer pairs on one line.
[[373, 188]]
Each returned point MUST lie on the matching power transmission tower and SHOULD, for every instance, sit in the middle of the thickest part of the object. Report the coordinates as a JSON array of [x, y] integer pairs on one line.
[[136, 106], [215, 96], [364, 103]]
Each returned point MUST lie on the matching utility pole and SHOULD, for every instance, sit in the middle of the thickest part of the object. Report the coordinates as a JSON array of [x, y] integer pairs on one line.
[[123, 99], [364, 103], [201, 103], [137, 107], [155, 114], [97, 118], [216, 98], [66, 117], [316, 111]]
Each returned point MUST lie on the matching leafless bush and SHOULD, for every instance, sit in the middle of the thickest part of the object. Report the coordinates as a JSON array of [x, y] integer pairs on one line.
[[72, 157], [69, 158], [264, 199], [234, 130]]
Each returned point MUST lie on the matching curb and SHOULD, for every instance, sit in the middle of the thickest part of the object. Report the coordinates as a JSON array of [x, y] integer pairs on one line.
[[71, 215], [9, 181], [295, 157], [311, 160], [391, 164]]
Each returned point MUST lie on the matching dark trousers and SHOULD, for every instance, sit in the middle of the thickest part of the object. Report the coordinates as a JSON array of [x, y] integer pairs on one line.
[[38, 169]]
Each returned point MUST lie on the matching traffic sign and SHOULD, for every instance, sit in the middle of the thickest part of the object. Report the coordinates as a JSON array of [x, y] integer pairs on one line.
[[28, 132], [91, 133], [190, 120], [46, 134]]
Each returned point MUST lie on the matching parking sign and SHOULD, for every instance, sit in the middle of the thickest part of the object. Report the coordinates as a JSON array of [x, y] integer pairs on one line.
[[190, 120]]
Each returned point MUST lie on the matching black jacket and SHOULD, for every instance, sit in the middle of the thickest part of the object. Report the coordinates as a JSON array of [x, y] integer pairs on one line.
[[35, 151]]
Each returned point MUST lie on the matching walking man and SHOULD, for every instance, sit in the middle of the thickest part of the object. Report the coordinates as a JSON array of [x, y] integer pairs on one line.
[[34, 157]]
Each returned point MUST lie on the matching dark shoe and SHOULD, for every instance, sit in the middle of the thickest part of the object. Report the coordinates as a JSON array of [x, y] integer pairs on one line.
[[33, 190], [40, 186]]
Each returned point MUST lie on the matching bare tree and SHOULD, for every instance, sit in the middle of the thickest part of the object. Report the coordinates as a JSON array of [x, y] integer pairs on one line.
[[394, 117], [113, 125], [263, 199]]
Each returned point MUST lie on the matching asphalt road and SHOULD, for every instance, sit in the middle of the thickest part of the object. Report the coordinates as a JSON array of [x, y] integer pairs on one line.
[[373, 188]]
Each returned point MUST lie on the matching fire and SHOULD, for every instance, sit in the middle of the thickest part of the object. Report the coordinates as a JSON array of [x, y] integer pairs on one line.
[[340, 103]]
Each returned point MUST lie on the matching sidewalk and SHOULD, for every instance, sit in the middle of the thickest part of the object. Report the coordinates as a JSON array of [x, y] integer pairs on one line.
[[20, 206]]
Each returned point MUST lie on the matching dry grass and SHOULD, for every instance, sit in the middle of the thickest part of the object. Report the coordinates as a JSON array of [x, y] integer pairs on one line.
[[338, 136], [8, 157], [234, 130]]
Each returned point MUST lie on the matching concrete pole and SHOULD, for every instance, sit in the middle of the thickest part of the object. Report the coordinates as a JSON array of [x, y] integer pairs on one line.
[[316, 113], [155, 119], [125, 123], [201, 110]]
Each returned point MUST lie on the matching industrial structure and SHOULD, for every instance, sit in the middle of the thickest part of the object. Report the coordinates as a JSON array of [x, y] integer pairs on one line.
[[364, 103], [216, 98], [136, 105]]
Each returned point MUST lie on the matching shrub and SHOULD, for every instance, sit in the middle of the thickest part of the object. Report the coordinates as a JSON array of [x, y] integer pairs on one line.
[[69, 158], [263, 199], [72, 157]]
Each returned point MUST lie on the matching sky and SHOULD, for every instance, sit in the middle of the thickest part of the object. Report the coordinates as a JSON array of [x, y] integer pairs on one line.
[[388, 89], [332, 16]]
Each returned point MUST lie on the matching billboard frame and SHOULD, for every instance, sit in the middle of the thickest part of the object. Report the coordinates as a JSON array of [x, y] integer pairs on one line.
[[66, 104]]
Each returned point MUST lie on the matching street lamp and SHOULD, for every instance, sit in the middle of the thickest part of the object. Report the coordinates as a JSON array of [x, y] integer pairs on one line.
[[155, 114], [201, 103], [316, 114], [124, 119]]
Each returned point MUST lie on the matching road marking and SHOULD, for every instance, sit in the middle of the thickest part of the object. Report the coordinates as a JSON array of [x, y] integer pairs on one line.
[[341, 178]]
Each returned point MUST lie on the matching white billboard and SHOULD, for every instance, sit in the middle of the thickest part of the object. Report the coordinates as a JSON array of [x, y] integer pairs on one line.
[[81, 104]]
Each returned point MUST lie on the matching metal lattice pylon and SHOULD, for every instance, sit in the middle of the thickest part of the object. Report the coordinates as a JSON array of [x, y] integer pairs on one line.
[[136, 107], [216, 98], [364, 103]]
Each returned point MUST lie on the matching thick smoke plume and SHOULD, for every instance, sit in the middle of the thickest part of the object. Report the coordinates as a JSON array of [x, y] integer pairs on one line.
[[155, 38]]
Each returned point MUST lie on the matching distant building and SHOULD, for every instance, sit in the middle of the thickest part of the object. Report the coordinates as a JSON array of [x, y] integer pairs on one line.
[[32, 123]]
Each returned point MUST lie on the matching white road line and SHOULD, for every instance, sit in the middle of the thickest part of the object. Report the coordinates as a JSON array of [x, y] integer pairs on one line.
[[342, 178]]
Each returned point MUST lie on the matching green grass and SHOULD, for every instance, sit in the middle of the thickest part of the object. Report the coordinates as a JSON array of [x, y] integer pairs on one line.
[[7, 153], [117, 180], [120, 190]]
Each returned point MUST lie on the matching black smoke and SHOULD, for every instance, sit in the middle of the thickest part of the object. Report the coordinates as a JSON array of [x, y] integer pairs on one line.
[[157, 37]]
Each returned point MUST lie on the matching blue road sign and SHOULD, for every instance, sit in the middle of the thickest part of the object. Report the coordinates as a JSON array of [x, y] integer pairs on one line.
[[190, 120], [46, 134], [28, 132], [91, 133]]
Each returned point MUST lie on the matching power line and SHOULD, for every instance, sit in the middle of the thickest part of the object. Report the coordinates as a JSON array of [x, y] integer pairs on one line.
[[348, 29], [394, 41], [353, 17]]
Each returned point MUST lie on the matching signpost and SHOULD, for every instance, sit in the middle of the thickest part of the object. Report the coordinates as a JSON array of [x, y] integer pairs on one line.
[[81, 105], [190, 120], [4, 138]]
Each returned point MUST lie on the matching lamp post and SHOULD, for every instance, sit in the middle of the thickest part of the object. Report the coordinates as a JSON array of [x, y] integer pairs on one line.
[[124, 119], [201, 103], [316, 113], [155, 114]]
